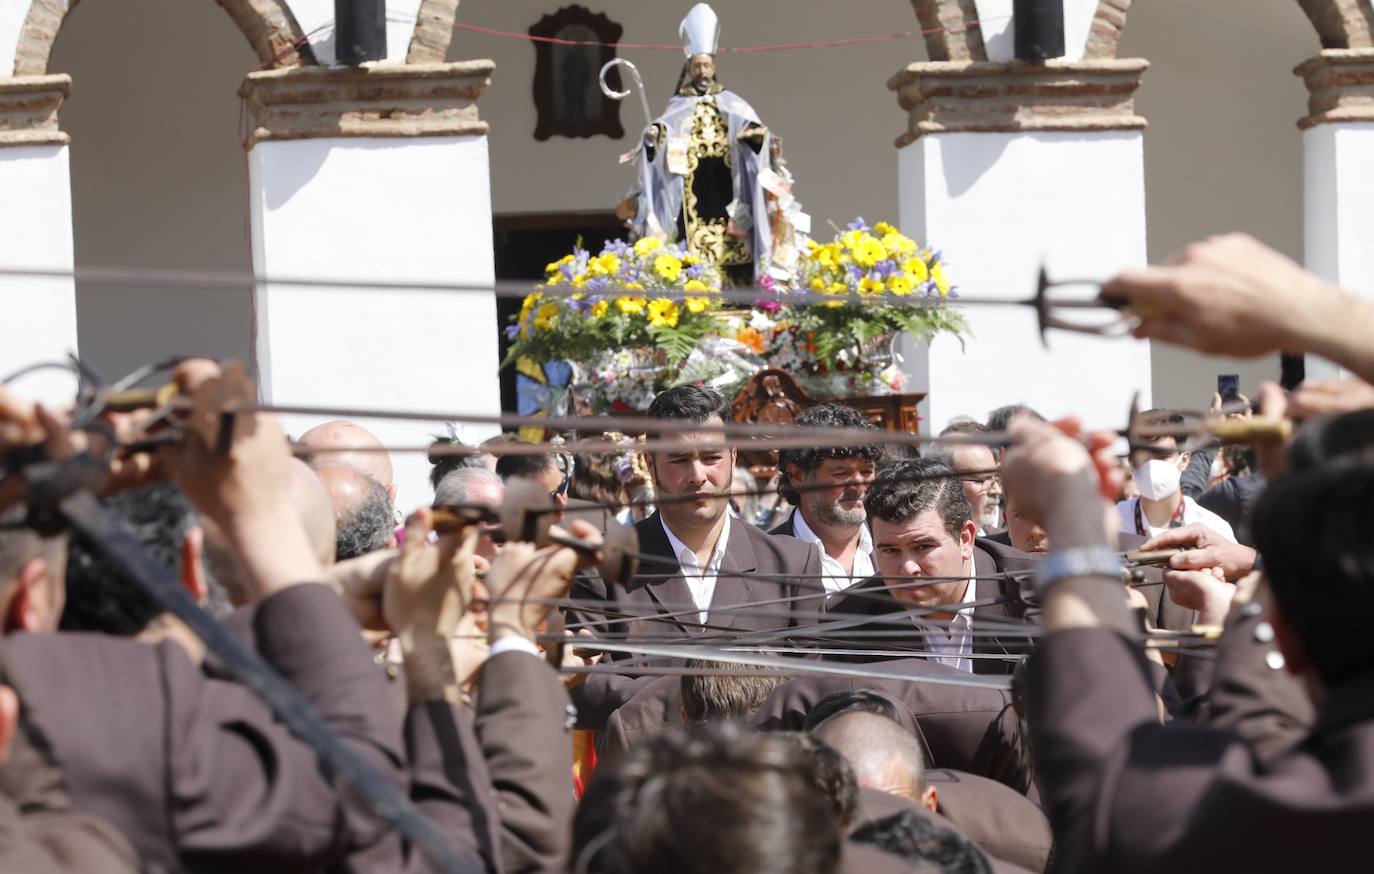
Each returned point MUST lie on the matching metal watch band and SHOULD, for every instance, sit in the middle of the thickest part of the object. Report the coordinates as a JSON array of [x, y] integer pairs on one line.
[[1079, 561]]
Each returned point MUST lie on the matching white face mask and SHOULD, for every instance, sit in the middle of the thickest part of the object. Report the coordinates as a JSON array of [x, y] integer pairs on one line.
[[1156, 479]]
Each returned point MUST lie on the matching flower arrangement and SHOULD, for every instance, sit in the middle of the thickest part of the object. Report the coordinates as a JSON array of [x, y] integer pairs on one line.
[[663, 299], [876, 282], [638, 318]]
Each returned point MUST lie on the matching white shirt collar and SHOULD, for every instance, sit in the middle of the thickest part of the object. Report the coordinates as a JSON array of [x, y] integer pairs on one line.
[[700, 581], [835, 578]]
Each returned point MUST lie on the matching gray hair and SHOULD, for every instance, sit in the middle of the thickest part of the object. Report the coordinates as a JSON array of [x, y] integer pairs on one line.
[[458, 486]]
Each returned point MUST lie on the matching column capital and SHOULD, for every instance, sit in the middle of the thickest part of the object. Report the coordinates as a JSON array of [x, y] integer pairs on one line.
[[28, 110], [988, 97], [385, 100], [1340, 87]]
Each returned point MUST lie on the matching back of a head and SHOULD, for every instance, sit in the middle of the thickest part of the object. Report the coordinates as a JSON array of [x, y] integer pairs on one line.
[[344, 442], [1312, 528], [466, 486], [921, 841], [456, 456], [718, 692], [908, 488], [690, 403], [715, 801], [595, 479], [837, 416], [884, 755], [101, 596], [1000, 418], [524, 466], [834, 778], [846, 700], [362, 511]]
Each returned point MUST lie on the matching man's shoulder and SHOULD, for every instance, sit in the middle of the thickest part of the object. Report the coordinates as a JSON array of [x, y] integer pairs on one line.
[[785, 547], [1004, 555]]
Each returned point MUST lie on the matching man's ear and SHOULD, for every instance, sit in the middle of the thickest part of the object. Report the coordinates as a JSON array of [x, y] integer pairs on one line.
[[966, 537], [391, 493], [193, 577], [9, 721], [28, 608], [1183, 459], [930, 799]]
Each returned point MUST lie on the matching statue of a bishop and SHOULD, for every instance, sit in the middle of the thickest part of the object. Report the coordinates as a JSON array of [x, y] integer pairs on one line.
[[705, 165]]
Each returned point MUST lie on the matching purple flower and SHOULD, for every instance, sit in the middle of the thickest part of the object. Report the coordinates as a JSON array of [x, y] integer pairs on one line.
[[883, 269], [512, 331], [768, 306], [858, 224], [597, 283]]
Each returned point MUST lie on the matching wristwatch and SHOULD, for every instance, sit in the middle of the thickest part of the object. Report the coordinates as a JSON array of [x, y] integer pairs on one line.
[[1079, 561]]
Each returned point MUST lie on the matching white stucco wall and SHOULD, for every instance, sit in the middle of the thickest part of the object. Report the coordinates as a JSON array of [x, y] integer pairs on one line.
[[35, 233], [390, 210], [12, 15], [1005, 203]]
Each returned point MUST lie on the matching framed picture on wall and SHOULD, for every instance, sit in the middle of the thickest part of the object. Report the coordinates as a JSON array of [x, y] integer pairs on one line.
[[567, 93]]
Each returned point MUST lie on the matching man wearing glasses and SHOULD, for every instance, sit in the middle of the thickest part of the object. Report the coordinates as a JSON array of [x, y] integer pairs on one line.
[[978, 465]]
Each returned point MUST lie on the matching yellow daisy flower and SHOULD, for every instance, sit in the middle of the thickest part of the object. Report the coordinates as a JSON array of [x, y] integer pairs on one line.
[[917, 269], [663, 313], [697, 305], [869, 286], [883, 229], [599, 308], [546, 317], [646, 245], [668, 267], [900, 284], [937, 273], [631, 305], [695, 285], [869, 252]]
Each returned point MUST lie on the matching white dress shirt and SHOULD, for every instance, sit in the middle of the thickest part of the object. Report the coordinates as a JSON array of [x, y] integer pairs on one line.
[[835, 578], [954, 640], [701, 581]]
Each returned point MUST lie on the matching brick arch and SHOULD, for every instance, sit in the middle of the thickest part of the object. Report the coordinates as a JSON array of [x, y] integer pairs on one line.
[[961, 43], [1108, 22], [268, 25], [433, 32], [1342, 24]]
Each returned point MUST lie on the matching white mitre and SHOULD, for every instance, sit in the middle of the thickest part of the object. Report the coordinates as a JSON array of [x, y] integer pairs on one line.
[[700, 31]]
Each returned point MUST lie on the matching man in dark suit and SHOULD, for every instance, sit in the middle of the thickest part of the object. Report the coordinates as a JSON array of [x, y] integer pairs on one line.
[[922, 528], [829, 505], [1127, 794], [710, 566]]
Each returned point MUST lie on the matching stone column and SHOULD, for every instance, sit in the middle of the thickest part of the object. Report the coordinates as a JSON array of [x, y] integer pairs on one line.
[[1338, 174], [1005, 166], [36, 232], [374, 173]]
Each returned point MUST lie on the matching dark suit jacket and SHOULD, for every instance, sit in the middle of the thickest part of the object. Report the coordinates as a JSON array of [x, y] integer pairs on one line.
[[40, 832], [1005, 823], [785, 566], [1126, 794], [965, 728], [196, 772], [870, 598]]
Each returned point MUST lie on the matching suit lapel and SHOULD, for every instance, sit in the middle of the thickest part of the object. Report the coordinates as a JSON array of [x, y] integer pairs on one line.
[[670, 594], [732, 587]]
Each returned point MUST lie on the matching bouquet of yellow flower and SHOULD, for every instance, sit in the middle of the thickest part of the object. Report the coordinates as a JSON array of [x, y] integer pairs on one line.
[[875, 282], [649, 294]]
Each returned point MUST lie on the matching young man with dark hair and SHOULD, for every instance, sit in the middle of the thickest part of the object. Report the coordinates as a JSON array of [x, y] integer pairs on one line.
[[708, 562], [721, 692], [922, 528], [1158, 473], [829, 506]]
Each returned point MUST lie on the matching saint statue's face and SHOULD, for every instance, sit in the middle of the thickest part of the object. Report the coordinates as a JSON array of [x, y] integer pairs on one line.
[[701, 69]]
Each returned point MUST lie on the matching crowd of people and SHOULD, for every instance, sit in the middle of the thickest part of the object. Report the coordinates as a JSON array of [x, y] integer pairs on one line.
[[954, 658]]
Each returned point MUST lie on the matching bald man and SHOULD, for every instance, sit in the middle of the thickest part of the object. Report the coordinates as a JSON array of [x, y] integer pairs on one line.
[[344, 442], [884, 755], [363, 517]]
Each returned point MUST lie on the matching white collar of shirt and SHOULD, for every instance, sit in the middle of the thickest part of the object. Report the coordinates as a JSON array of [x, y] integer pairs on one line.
[[1193, 512], [835, 578], [700, 581]]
